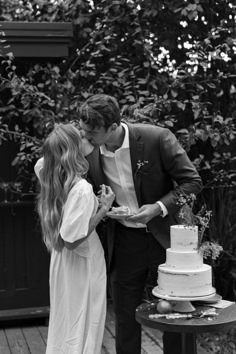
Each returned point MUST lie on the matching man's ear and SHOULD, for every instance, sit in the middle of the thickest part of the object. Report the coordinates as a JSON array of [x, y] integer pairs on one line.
[[114, 126]]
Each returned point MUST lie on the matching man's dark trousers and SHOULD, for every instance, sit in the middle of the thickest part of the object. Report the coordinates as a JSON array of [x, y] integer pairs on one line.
[[136, 258]]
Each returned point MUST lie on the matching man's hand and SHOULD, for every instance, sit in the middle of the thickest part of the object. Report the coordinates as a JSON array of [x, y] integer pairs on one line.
[[146, 213]]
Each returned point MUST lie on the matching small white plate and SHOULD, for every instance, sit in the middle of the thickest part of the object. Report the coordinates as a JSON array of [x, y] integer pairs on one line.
[[118, 216]]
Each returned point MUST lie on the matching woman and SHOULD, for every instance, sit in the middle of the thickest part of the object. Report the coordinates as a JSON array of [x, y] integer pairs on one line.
[[69, 212]]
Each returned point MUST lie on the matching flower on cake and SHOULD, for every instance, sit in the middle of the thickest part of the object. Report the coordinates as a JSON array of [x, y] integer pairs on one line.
[[201, 219], [185, 215]]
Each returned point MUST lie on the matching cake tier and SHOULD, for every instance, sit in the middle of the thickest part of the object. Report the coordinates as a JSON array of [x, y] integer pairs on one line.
[[184, 238], [183, 260], [185, 283]]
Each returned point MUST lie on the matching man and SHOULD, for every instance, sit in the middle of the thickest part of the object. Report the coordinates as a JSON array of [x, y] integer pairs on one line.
[[146, 167]]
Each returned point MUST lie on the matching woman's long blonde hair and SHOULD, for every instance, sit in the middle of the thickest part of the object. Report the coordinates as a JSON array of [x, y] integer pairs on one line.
[[63, 164]]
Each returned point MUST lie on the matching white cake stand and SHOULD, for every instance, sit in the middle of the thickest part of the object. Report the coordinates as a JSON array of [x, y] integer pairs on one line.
[[182, 304]]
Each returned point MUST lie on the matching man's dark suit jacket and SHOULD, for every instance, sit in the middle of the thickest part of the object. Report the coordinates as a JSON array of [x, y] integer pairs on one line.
[[164, 169]]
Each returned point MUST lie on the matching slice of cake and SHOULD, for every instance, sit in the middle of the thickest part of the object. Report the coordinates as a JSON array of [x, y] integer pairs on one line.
[[121, 210]]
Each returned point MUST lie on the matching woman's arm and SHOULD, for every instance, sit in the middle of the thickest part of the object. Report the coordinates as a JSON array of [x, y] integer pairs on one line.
[[94, 221], [106, 200]]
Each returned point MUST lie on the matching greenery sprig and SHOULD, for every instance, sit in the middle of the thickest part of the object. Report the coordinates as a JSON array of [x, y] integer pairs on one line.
[[201, 219]]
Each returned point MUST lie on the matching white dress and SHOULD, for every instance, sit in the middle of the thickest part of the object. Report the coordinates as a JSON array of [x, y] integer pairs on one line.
[[77, 281]]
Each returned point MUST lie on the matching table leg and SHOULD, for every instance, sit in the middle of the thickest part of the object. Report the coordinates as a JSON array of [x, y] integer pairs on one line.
[[189, 344], [172, 343], [181, 343]]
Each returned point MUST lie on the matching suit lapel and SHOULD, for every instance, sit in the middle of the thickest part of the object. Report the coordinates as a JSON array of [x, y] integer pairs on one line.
[[136, 155], [95, 168]]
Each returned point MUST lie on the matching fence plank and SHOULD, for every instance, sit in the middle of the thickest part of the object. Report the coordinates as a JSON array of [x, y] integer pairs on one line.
[[108, 342], [43, 330], [34, 340], [16, 340], [4, 349]]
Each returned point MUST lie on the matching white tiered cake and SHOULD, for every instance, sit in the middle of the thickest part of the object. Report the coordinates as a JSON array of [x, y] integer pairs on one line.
[[184, 274]]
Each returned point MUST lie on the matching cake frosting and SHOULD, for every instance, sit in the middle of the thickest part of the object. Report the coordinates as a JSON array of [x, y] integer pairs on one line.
[[184, 274]]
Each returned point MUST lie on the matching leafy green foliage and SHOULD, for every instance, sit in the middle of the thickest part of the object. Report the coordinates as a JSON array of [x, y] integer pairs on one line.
[[169, 63]]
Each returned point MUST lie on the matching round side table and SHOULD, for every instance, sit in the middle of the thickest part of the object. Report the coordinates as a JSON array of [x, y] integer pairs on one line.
[[187, 329]]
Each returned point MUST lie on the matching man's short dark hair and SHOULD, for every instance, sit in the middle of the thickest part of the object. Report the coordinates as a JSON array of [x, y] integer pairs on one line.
[[100, 111]]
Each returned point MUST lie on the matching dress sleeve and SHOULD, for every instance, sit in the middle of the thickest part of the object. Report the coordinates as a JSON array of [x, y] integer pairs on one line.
[[77, 212], [38, 167]]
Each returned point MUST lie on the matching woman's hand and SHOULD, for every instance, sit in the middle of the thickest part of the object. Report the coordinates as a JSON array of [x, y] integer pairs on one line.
[[106, 197]]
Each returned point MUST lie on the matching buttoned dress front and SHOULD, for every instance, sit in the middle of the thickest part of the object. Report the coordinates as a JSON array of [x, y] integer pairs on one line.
[[77, 281]]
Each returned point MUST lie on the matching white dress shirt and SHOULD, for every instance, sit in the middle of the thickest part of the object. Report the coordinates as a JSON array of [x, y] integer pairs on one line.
[[117, 168]]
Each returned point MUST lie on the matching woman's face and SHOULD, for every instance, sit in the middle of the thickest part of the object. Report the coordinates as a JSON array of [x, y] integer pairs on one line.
[[86, 147]]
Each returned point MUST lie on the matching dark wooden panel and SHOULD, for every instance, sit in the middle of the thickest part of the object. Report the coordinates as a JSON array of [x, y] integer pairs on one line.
[[24, 261], [38, 39], [23, 313]]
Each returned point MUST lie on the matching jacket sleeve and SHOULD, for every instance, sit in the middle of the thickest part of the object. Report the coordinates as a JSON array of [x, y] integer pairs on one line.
[[178, 165]]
